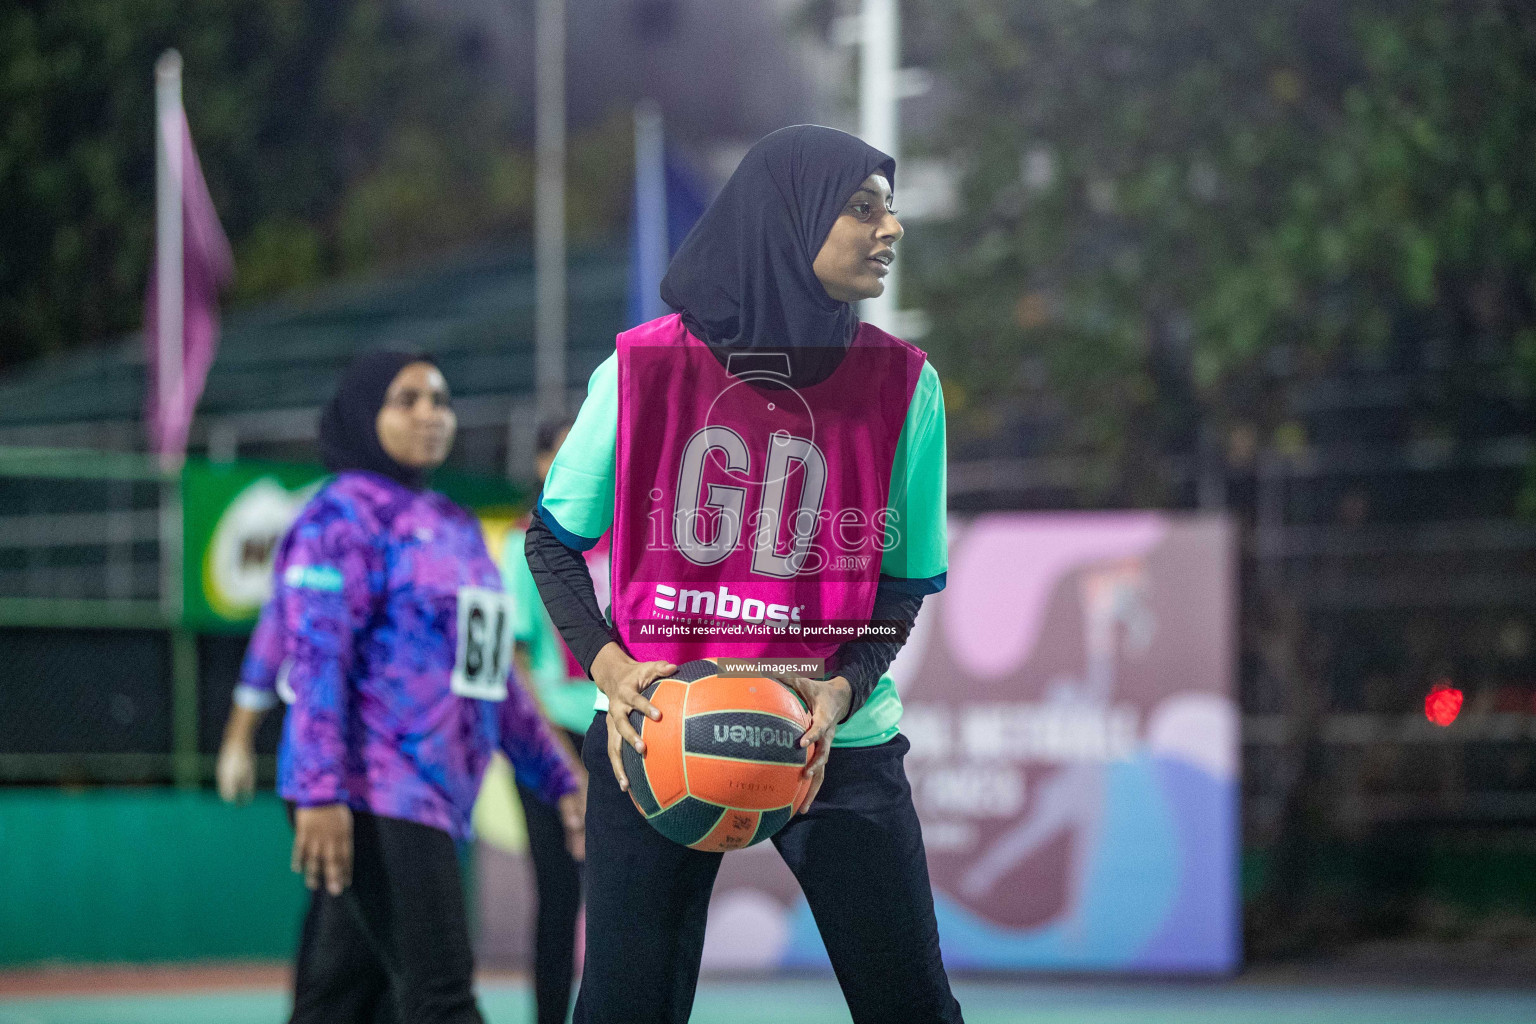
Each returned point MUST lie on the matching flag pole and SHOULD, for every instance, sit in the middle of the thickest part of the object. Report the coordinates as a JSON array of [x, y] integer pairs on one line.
[[170, 313], [879, 124], [170, 284], [549, 207], [650, 209]]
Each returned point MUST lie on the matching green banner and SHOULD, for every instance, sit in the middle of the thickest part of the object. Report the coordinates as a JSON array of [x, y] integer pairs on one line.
[[234, 514]]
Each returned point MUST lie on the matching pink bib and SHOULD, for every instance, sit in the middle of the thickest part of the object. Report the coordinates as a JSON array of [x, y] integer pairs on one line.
[[750, 517]]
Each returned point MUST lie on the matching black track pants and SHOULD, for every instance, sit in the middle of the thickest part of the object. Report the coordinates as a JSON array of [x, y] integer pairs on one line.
[[557, 877], [858, 855], [394, 947]]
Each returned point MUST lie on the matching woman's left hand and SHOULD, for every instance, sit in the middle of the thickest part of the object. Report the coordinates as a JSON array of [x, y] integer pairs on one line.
[[573, 814], [829, 700], [322, 846]]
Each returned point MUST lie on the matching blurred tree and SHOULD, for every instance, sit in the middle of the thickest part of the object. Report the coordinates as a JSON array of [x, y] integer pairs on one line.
[[1160, 198], [337, 136], [1169, 207]]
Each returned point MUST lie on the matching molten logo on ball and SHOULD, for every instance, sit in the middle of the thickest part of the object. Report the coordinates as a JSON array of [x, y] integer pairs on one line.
[[755, 736]]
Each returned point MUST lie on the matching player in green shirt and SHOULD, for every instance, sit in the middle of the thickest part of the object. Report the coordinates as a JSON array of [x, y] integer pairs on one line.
[[803, 230], [565, 695]]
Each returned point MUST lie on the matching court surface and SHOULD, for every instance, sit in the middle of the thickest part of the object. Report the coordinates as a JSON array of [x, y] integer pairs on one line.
[[818, 1002]]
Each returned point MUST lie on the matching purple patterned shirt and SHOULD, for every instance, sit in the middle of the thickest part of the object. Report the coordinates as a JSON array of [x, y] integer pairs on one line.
[[370, 580]]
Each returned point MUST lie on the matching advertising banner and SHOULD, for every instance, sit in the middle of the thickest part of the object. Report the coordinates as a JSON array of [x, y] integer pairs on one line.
[[1074, 757], [234, 515]]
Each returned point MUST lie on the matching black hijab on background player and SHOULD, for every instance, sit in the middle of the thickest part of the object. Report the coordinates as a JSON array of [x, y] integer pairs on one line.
[[743, 279], [349, 434]]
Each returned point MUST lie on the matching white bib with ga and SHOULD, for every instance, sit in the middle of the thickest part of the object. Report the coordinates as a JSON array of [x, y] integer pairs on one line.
[[485, 644]]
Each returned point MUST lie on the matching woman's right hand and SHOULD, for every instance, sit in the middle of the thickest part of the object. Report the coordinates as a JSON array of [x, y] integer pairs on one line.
[[621, 678], [236, 768], [236, 771]]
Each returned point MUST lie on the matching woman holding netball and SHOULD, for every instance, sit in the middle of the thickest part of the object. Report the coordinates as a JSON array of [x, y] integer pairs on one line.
[[760, 447], [395, 658]]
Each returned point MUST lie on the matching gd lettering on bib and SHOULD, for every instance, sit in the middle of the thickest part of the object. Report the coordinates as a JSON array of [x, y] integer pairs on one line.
[[485, 644]]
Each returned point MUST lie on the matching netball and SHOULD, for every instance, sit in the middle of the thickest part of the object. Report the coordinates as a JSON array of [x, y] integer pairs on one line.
[[723, 768]]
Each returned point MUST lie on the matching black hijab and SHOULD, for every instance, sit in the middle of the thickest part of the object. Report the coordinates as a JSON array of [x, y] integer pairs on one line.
[[742, 279], [349, 431]]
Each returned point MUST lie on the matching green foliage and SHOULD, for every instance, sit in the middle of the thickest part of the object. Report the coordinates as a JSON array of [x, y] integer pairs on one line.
[[1205, 183], [337, 137]]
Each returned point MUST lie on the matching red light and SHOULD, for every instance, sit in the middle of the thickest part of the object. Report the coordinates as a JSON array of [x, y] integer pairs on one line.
[[1443, 703]]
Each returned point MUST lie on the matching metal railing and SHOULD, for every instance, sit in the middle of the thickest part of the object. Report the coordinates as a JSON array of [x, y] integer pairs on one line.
[[92, 540]]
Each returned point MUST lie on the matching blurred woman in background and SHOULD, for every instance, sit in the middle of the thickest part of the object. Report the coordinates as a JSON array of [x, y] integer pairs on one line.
[[395, 644]]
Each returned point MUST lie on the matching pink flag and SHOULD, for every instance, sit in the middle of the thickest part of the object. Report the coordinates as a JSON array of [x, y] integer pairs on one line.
[[207, 264]]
